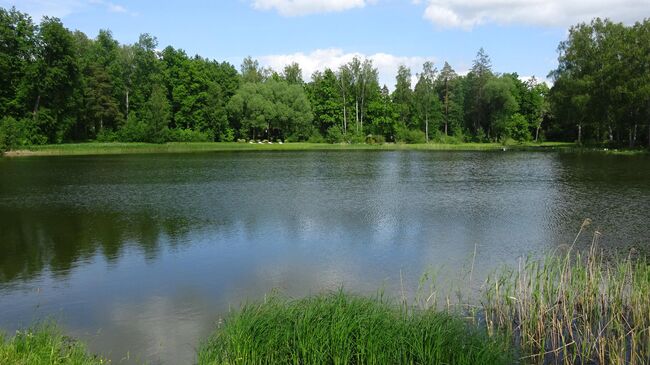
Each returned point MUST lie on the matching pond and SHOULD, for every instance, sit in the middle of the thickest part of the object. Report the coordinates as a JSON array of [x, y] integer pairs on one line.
[[140, 255]]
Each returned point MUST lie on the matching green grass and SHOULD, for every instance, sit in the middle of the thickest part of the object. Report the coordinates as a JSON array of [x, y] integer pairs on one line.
[[94, 148], [574, 308], [340, 328], [44, 345]]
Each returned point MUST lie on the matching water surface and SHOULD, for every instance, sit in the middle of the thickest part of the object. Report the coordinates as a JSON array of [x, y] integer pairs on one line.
[[140, 255]]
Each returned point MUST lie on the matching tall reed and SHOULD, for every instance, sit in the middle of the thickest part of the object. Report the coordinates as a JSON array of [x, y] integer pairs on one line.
[[574, 308]]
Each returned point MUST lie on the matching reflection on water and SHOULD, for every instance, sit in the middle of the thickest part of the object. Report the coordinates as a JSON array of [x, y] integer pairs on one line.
[[140, 255]]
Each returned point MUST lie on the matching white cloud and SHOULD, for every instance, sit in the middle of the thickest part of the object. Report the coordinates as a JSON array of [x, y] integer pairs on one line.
[[305, 7], [333, 58], [114, 8], [467, 14]]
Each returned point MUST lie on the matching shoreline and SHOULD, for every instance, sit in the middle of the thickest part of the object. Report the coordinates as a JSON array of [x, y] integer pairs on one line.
[[95, 148]]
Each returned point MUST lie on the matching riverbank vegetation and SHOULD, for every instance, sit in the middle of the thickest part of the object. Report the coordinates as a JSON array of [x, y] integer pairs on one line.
[[560, 309], [181, 147], [341, 328], [565, 308], [60, 86], [45, 345]]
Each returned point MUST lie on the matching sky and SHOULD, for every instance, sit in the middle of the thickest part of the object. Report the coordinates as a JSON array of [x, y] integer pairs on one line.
[[519, 35]]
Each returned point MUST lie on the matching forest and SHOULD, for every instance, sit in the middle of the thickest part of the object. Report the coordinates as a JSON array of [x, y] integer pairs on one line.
[[58, 86]]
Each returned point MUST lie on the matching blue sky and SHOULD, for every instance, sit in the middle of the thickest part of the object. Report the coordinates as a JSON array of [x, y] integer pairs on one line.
[[519, 35]]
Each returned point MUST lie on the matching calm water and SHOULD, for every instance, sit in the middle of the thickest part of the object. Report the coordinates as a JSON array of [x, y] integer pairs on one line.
[[139, 255]]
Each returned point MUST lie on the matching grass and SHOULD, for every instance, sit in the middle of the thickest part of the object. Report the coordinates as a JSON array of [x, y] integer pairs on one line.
[[45, 345], [574, 308], [95, 148], [340, 328]]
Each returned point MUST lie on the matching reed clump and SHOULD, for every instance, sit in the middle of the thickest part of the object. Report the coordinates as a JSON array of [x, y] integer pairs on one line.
[[45, 345], [341, 328], [573, 308]]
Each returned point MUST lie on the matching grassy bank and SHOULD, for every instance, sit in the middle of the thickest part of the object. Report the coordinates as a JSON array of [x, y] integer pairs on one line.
[[568, 309], [127, 148], [44, 345], [344, 329]]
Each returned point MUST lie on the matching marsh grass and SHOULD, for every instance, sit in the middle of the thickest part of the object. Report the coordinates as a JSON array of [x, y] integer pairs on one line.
[[44, 344], [573, 308], [341, 328]]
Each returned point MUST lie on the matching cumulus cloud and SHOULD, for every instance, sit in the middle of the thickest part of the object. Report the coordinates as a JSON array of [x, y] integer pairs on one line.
[[306, 7], [333, 58], [467, 14]]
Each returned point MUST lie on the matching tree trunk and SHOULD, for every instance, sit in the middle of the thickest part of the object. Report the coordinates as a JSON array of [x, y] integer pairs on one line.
[[631, 142], [127, 104], [426, 127], [446, 105], [362, 113], [36, 105], [356, 106], [345, 116], [580, 133], [539, 126], [611, 133]]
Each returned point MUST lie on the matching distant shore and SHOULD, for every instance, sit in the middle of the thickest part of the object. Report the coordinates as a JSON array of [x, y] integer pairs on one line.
[[96, 148]]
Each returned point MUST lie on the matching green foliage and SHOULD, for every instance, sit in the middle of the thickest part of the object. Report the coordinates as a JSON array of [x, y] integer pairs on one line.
[[45, 345], [375, 139], [134, 130], [518, 128], [187, 135], [344, 329], [63, 86], [335, 135], [405, 135]]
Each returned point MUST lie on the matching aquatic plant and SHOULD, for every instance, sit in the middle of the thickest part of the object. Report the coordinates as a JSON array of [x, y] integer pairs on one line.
[[574, 308], [341, 328], [44, 344]]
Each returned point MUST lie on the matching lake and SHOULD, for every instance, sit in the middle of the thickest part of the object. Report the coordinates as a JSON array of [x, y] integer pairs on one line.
[[141, 255]]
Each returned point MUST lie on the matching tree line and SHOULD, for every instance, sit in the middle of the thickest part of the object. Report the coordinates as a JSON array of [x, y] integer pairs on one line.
[[59, 86]]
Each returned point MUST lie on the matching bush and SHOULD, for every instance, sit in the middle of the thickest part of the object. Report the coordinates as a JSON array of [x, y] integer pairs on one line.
[[227, 136], [316, 138], [15, 133], [133, 130], [107, 135], [188, 135], [451, 139], [406, 135], [335, 135], [517, 128], [375, 139]]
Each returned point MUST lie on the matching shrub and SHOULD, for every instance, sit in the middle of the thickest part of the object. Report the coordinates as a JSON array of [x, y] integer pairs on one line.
[[107, 135], [517, 128], [188, 135], [406, 135], [375, 139], [16, 133], [316, 137], [335, 135], [133, 130], [228, 135]]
